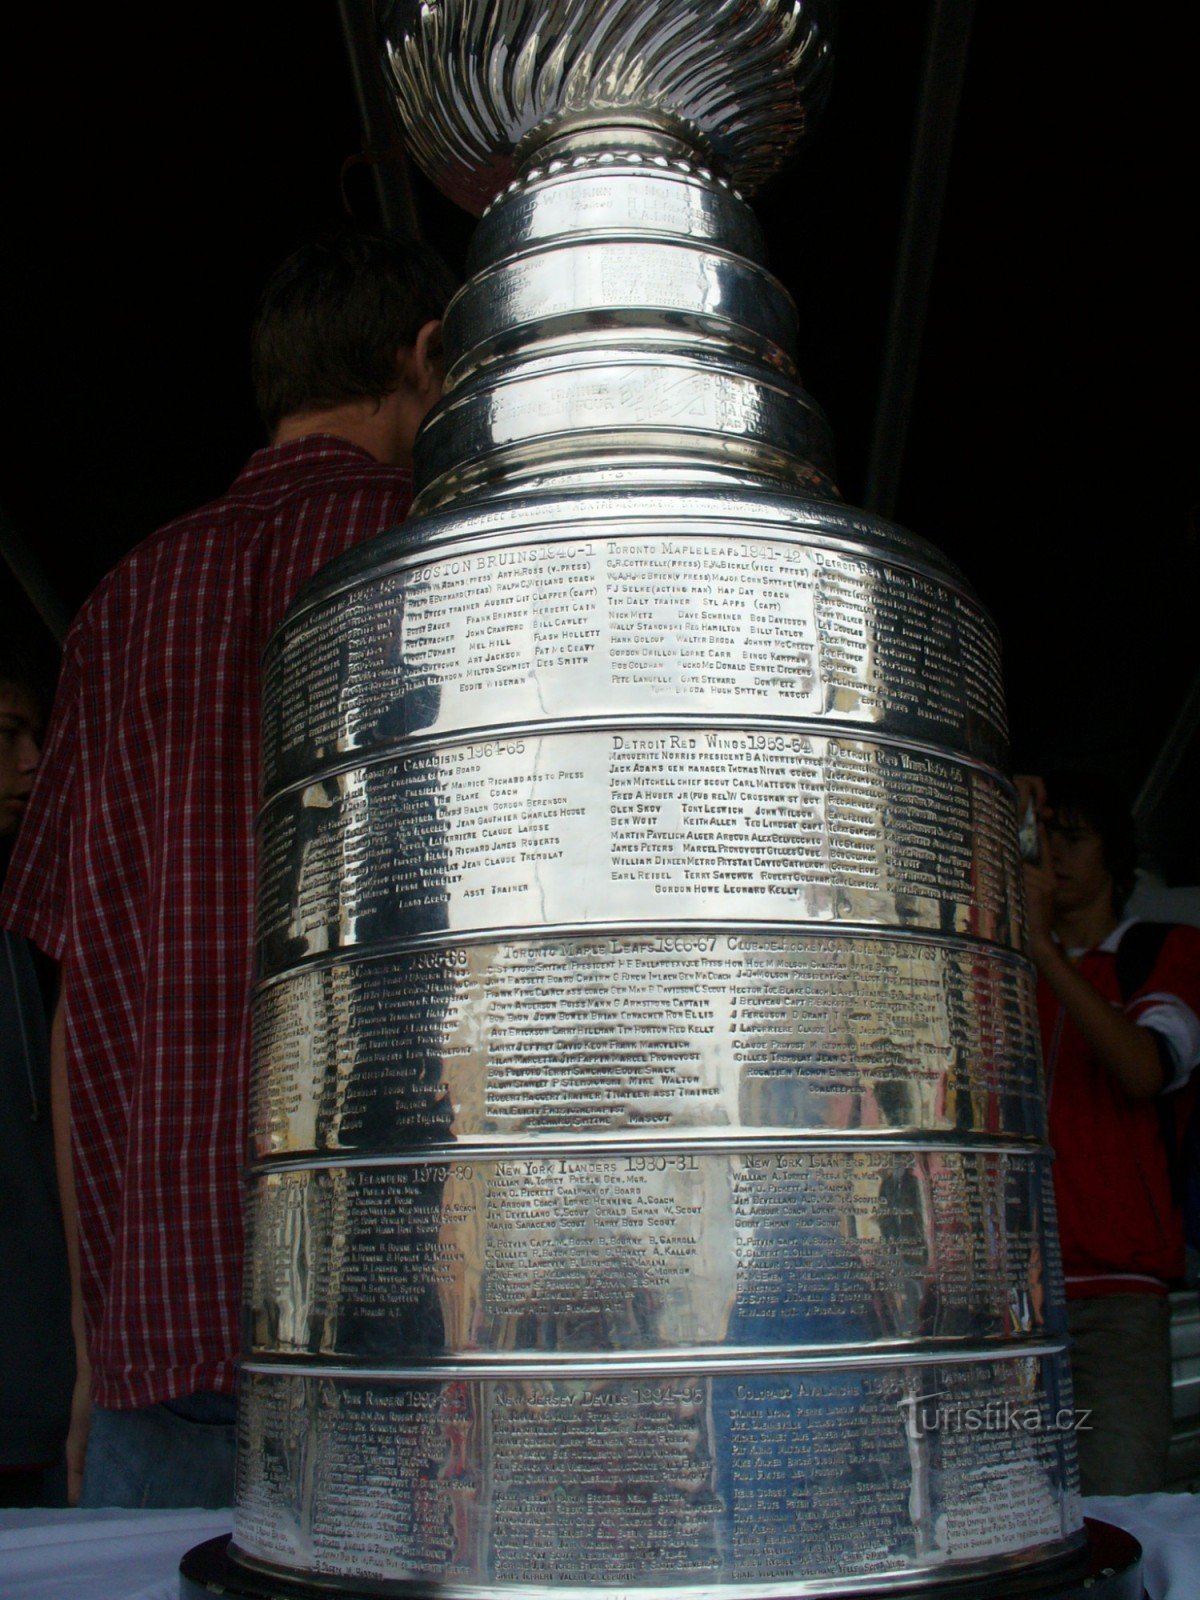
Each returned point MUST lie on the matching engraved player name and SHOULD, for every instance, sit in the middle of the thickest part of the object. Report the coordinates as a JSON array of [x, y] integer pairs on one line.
[[583, 627], [755, 1478], [819, 1246], [634, 1034], [581, 827]]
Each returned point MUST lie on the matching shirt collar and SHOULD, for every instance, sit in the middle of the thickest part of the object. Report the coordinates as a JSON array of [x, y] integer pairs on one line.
[[1109, 946], [310, 447]]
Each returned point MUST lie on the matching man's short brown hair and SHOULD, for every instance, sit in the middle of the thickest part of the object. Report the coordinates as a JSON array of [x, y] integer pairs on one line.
[[333, 316]]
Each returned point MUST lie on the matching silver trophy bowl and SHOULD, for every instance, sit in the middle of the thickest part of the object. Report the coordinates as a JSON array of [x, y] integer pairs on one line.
[[649, 1194], [478, 82]]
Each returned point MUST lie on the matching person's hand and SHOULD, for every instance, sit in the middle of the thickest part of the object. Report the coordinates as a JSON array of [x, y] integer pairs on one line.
[[77, 1431], [1031, 791], [1039, 906], [1033, 811]]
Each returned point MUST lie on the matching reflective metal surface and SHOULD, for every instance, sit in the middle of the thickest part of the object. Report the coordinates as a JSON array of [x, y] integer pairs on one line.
[[666, 1483], [475, 78], [671, 608], [670, 1248], [710, 821], [690, 405], [648, 1184], [706, 290], [694, 1028]]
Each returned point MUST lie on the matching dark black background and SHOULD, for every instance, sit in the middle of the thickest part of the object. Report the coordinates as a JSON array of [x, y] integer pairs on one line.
[[159, 161]]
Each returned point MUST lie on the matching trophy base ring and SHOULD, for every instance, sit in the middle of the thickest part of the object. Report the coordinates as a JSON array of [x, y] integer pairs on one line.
[[1110, 1568]]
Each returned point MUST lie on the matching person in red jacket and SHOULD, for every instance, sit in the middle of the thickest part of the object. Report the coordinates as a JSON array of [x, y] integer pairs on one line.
[[1120, 1038]]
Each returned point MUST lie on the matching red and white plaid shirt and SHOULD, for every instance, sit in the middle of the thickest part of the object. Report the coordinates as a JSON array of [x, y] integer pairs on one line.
[[136, 867]]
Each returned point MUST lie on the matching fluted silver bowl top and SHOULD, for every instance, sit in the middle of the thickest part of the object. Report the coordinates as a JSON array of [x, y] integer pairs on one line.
[[473, 78]]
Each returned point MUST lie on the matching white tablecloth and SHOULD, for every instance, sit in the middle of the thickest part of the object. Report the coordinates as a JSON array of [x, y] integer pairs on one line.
[[134, 1555], [99, 1555], [1168, 1529]]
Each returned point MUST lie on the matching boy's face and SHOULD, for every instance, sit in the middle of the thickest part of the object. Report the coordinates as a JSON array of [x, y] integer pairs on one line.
[[20, 752], [1081, 874]]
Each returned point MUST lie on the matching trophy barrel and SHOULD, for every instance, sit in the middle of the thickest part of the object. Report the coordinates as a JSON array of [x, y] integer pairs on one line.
[[649, 1192]]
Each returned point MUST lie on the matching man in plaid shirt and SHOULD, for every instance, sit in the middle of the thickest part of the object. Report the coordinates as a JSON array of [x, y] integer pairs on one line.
[[135, 868]]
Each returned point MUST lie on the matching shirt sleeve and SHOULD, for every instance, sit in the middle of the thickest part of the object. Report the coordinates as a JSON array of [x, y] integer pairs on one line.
[[1169, 1002], [36, 897]]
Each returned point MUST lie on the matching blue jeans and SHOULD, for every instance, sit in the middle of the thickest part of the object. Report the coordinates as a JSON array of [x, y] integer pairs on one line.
[[179, 1453]]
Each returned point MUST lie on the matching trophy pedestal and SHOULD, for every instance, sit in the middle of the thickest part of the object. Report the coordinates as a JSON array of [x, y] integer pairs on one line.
[[1109, 1569]]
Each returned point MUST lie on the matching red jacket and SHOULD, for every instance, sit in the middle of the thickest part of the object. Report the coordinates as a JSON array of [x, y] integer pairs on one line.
[[1121, 1228]]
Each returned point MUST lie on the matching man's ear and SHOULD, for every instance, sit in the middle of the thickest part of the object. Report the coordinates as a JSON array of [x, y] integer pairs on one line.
[[421, 363]]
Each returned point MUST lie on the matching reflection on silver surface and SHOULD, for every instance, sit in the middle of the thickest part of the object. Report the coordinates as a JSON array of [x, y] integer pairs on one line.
[[748, 1483], [647, 1117], [579, 201], [690, 1030], [655, 623], [695, 405], [666, 1249], [709, 291], [712, 822]]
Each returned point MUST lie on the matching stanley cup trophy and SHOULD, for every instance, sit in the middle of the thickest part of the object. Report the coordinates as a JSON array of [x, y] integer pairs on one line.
[[649, 1195]]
